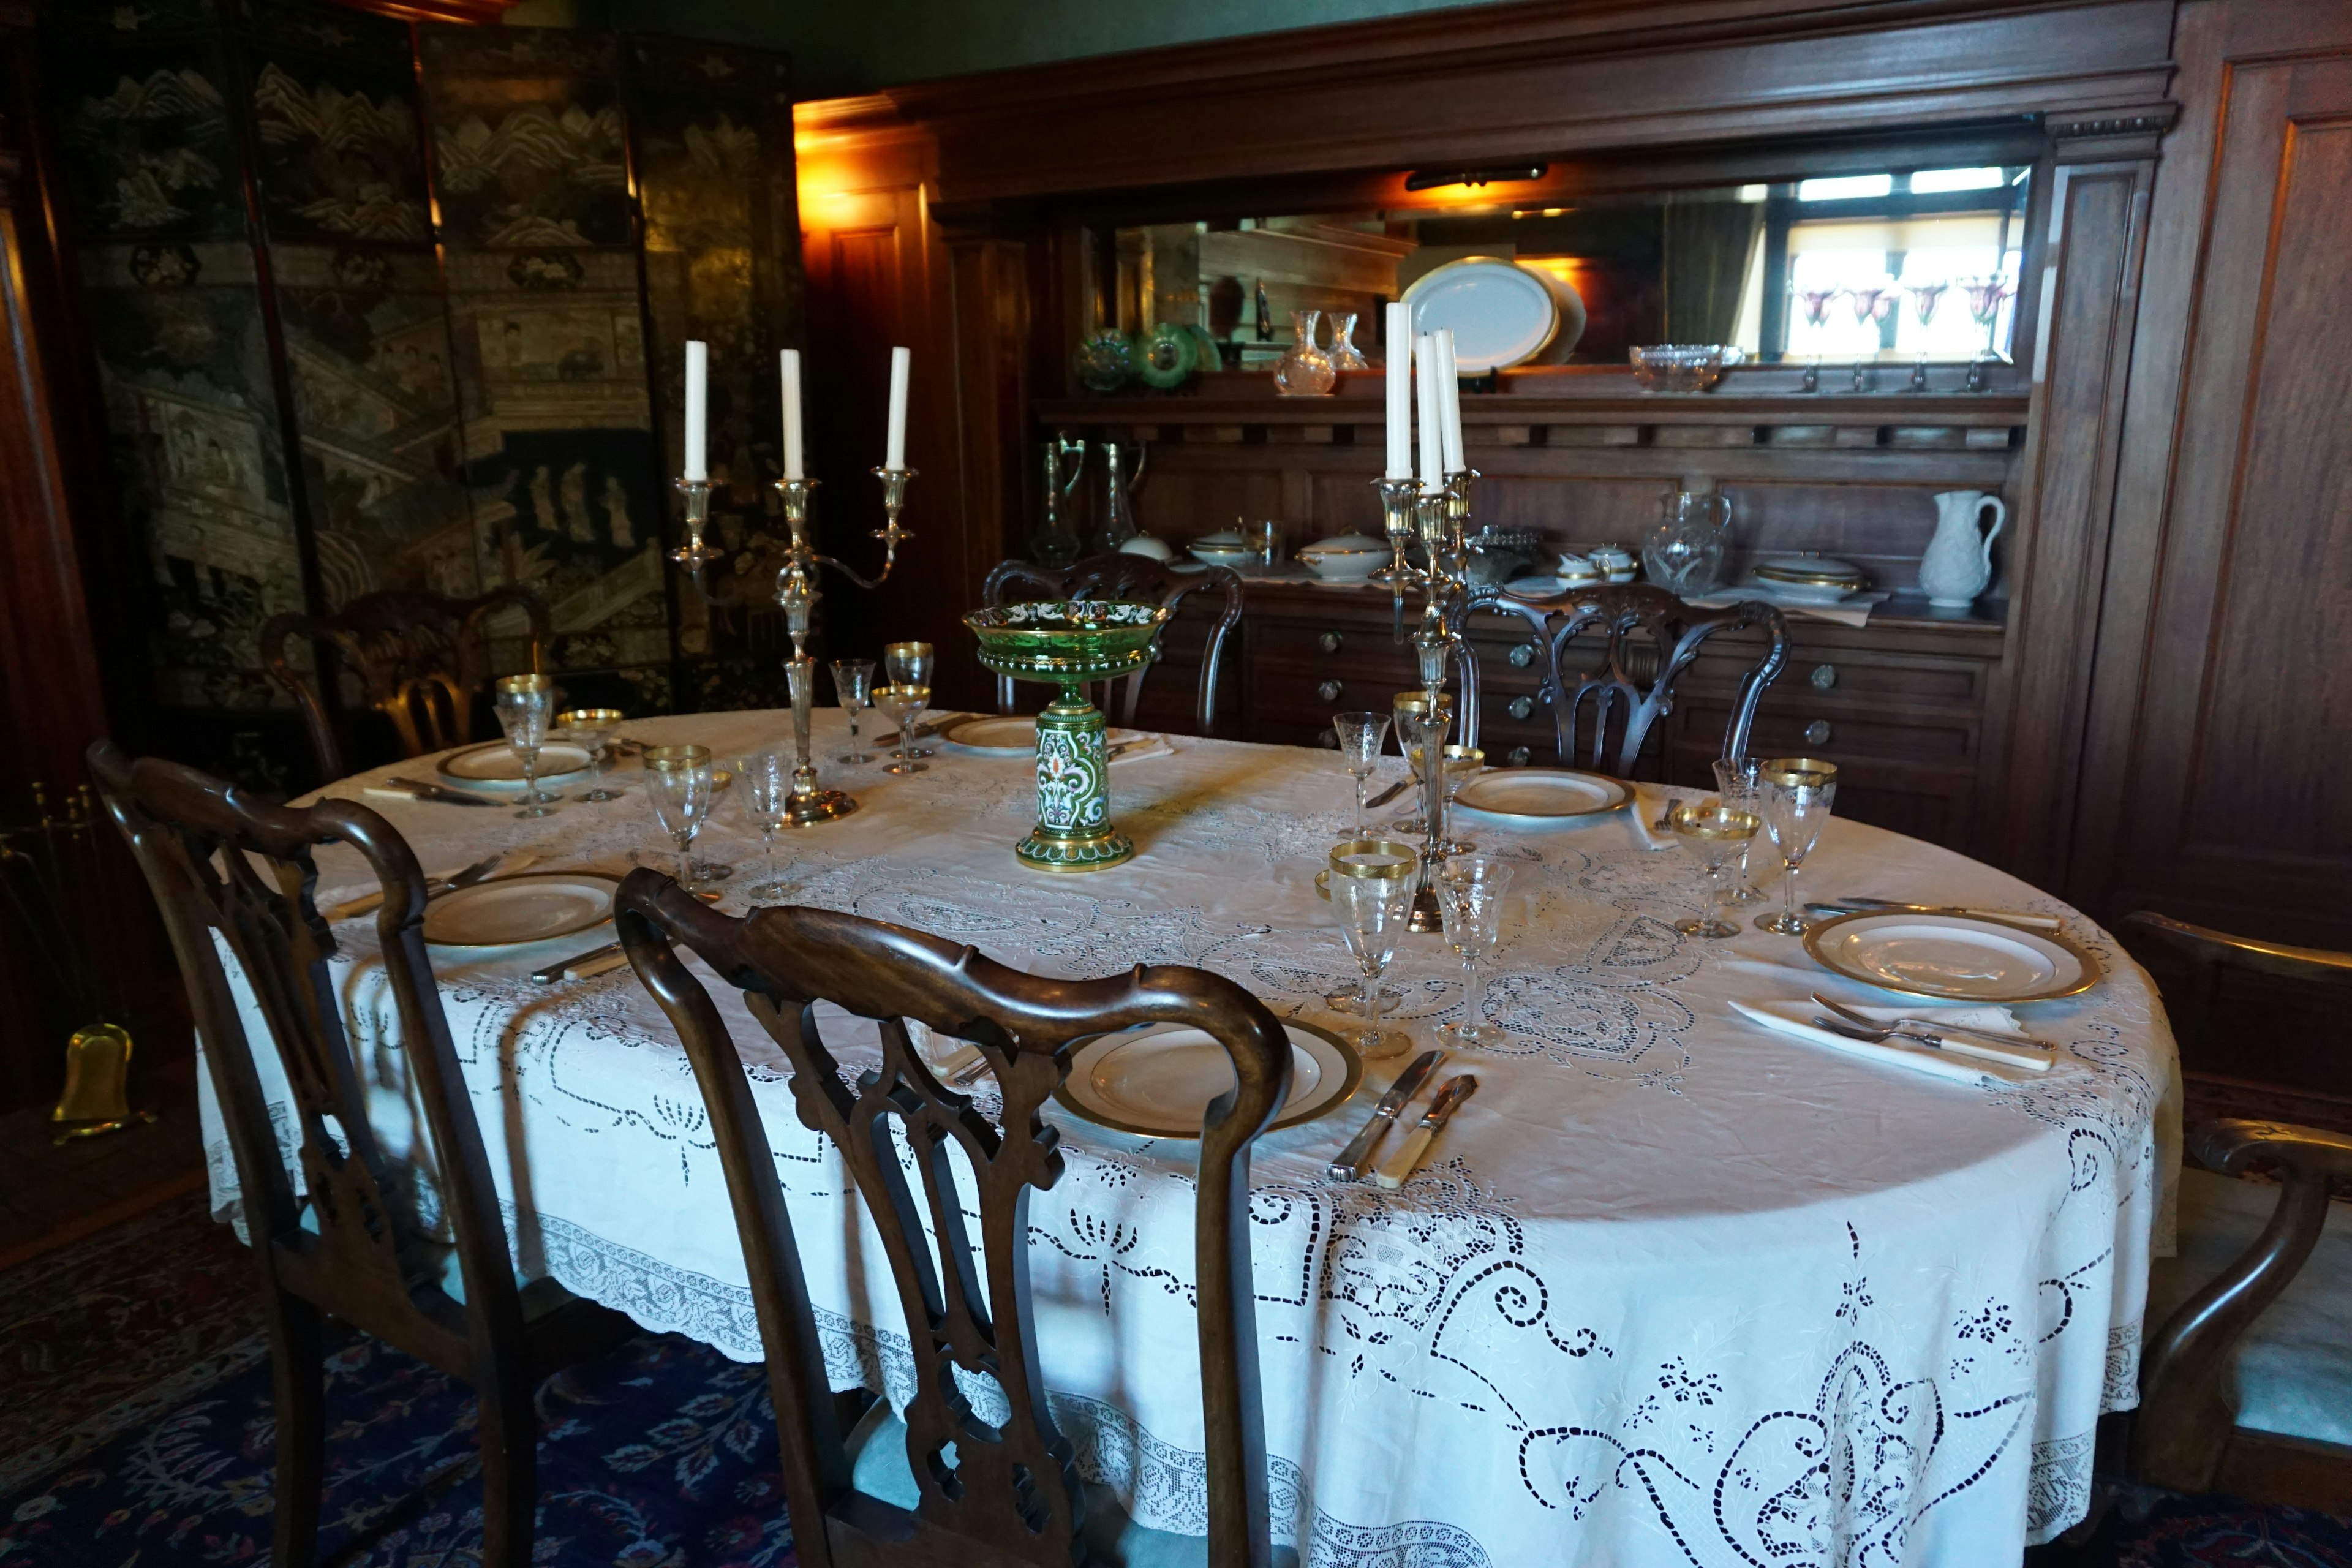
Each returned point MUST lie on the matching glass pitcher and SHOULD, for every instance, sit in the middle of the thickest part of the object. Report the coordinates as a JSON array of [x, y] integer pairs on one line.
[[1304, 371], [1684, 550], [1055, 541], [1119, 523]]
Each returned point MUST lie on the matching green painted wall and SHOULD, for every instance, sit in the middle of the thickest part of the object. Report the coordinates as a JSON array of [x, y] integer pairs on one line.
[[856, 45]]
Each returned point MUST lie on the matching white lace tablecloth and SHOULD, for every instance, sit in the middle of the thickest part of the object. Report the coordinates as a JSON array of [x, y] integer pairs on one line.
[[1673, 1289]]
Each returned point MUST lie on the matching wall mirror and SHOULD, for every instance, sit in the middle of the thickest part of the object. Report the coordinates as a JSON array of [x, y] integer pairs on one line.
[[1897, 265]]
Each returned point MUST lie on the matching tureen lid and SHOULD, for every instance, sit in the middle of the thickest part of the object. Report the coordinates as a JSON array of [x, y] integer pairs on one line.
[[1344, 544]]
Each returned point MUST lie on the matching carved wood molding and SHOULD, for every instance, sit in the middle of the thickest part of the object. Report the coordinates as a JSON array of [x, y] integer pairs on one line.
[[2095, 135]]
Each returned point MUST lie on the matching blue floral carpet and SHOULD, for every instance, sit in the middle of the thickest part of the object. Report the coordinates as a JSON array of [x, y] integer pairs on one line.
[[659, 1456], [2208, 1532]]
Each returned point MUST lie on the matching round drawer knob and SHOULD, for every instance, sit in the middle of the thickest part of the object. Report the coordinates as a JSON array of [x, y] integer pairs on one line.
[[1817, 732], [1330, 641], [1824, 675], [1518, 756], [1330, 691], [1521, 707], [1524, 654]]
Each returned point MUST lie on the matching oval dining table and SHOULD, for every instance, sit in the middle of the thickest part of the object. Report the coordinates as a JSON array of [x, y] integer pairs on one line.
[[1671, 1289]]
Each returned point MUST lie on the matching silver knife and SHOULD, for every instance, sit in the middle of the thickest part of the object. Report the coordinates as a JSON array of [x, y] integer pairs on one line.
[[1348, 1165], [1388, 795], [442, 793], [1857, 906], [1398, 1170], [1931, 1032], [554, 971]]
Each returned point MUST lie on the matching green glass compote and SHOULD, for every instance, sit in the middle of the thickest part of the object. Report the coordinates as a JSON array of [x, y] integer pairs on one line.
[[1067, 644]]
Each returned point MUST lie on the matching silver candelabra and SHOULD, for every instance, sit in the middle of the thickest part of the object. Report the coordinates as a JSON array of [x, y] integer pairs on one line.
[[1440, 519]]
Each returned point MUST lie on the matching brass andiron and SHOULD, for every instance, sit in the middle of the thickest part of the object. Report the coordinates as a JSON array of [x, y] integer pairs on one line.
[[66, 898]]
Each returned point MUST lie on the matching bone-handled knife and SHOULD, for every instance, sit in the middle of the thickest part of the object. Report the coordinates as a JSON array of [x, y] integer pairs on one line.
[[425, 789], [1348, 1165], [1388, 794], [1458, 1087]]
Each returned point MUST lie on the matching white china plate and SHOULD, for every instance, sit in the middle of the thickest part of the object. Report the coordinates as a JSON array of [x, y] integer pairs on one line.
[[1007, 735], [1957, 957], [507, 911], [496, 765], [1541, 795], [1156, 1081], [1801, 592], [1501, 313]]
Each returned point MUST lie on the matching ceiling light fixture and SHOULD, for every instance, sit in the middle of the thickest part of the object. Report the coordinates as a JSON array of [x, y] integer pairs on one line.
[[1430, 179]]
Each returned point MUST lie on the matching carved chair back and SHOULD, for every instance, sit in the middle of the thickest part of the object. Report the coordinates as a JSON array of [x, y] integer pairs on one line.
[[422, 661], [1136, 578], [233, 872], [1012, 1495], [2184, 1421], [1647, 638]]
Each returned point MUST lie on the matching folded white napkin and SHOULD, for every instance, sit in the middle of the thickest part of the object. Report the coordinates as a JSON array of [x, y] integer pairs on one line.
[[1984, 1018], [1852, 611], [1649, 808], [1795, 1018], [1145, 750]]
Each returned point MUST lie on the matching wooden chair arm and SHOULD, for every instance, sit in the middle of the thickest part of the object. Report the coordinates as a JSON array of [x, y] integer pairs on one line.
[[2183, 1423], [2205, 945]]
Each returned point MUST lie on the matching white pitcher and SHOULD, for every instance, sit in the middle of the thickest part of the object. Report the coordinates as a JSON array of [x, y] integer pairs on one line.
[[1959, 562]]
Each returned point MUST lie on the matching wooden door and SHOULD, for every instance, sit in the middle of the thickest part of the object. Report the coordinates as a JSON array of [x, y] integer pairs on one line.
[[2216, 780]]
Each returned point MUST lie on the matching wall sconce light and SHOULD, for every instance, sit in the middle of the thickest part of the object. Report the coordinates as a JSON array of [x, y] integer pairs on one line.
[[1430, 179]]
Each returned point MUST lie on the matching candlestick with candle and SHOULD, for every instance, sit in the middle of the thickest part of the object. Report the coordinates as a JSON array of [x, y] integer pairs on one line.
[[1426, 431], [1449, 403], [1400, 390], [698, 403], [893, 447], [789, 367]]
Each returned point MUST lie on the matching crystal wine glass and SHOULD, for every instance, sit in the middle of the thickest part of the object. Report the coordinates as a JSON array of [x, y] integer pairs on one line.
[[524, 705], [1411, 709], [1470, 890], [903, 705], [680, 782], [909, 664], [592, 728], [1360, 735], [767, 781], [1717, 835], [853, 680], [1797, 796], [1740, 782], [1372, 887], [1459, 764]]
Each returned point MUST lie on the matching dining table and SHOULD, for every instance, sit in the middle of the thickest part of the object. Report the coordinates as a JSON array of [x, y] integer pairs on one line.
[[1671, 1289]]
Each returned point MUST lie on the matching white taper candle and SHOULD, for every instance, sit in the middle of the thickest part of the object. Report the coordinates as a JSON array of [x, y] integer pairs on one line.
[[894, 448], [1399, 388], [697, 408], [790, 369], [1449, 403], [1432, 454]]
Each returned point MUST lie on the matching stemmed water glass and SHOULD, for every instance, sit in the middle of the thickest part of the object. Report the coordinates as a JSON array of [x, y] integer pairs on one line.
[[592, 728], [524, 704], [852, 679], [1459, 765], [909, 665], [1372, 887], [767, 781], [1360, 735], [1797, 796], [1470, 897], [680, 782], [1740, 782], [1419, 726], [1717, 834], [903, 705]]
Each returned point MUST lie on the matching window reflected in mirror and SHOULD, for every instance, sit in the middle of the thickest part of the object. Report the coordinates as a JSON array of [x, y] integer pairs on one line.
[[1899, 265]]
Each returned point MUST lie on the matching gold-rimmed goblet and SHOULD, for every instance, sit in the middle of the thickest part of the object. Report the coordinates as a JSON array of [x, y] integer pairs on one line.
[[592, 728], [1409, 709], [909, 664], [1715, 834], [525, 704], [903, 705], [1372, 882], [1740, 782], [1461, 763], [853, 680], [1797, 793], [681, 783]]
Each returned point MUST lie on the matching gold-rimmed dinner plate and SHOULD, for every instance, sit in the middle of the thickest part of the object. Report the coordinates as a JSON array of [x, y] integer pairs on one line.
[[506, 911], [1953, 958], [1158, 1080], [1537, 796], [496, 766], [1005, 735]]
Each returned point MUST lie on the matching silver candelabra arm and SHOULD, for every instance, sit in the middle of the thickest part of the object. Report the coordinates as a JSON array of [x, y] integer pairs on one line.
[[1398, 497]]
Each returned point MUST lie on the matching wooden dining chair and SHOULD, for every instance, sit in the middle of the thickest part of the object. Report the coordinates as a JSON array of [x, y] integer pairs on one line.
[[1647, 640], [1011, 1493], [1136, 578], [348, 1241], [2184, 1427], [422, 661]]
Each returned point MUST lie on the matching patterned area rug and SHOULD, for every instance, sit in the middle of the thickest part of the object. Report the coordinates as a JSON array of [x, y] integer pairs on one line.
[[2208, 1532], [110, 1333], [662, 1454]]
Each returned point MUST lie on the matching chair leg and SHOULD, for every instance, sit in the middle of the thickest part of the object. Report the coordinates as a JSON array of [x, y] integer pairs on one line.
[[298, 1372], [509, 1435]]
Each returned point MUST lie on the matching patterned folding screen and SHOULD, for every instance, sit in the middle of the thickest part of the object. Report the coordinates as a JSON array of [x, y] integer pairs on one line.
[[256, 221]]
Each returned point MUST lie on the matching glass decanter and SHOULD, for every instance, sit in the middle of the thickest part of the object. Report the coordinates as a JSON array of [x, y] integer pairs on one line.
[[1304, 371], [1685, 548], [1343, 352]]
